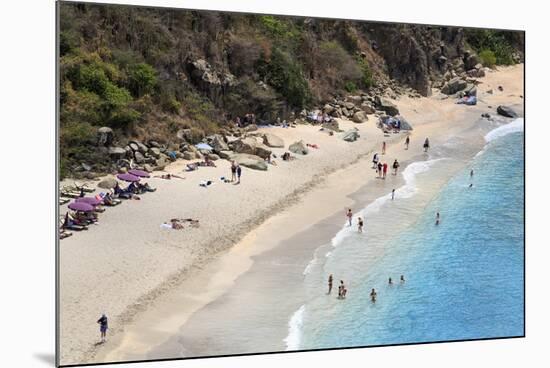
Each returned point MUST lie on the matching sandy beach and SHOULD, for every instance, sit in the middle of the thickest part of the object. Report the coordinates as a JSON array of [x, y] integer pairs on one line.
[[152, 281]]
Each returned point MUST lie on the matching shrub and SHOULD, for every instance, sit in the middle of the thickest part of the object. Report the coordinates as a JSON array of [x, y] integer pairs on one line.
[[350, 87], [142, 78], [286, 77], [488, 58], [500, 43], [366, 73]]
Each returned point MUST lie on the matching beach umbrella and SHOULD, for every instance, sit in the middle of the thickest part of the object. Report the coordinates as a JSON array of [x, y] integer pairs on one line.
[[204, 146], [90, 200], [128, 177], [140, 173], [109, 183], [81, 206]]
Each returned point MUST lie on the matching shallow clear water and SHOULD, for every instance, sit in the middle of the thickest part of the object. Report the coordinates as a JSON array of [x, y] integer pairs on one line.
[[464, 278]]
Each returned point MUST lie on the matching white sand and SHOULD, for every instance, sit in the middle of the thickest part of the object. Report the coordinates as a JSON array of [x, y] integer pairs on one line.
[[127, 265]]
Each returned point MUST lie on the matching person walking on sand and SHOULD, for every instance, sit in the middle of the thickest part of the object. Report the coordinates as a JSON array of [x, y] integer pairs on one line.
[[373, 295], [103, 326], [392, 194], [239, 171], [379, 171], [426, 145], [385, 170], [233, 171], [329, 284], [437, 218], [407, 141], [360, 224], [375, 161], [384, 147], [395, 167]]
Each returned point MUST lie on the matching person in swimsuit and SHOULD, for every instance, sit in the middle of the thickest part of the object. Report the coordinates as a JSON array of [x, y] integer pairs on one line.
[[360, 224], [384, 147], [349, 214], [402, 279], [407, 141], [239, 171], [426, 145], [385, 170], [373, 295], [390, 282], [437, 218], [103, 326], [329, 284], [392, 194], [379, 170], [375, 161], [233, 171]]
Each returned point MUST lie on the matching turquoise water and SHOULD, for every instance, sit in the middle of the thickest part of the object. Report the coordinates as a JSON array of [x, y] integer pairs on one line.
[[464, 278]]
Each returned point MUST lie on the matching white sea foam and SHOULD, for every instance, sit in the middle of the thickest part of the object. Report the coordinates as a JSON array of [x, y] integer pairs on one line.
[[310, 266], [406, 191], [294, 337], [501, 131]]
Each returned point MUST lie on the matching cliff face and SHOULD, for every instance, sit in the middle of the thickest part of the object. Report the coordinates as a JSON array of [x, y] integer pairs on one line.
[[148, 73]]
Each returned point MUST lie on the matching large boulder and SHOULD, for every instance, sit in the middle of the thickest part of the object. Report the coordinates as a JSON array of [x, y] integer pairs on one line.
[[251, 146], [359, 117], [453, 86], [332, 125], [155, 152], [387, 106], [405, 125], [117, 153], [351, 135], [262, 150], [218, 143], [298, 148], [108, 183], [250, 161], [105, 136], [140, 158], [506, 111], [271, 140], [225, 154]]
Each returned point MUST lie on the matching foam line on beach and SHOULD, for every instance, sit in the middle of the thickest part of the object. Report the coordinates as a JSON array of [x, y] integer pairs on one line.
[[294, 336], [405, 191], [513, 127]]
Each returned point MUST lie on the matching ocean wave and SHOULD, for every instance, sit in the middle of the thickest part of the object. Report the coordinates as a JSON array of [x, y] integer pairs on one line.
[[294, 337], [501, 131]]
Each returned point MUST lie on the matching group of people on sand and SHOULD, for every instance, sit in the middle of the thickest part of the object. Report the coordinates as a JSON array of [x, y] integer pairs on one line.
[[236, 172], [382, 168]]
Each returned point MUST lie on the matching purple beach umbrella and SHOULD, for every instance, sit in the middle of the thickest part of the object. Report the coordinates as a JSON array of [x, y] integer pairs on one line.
[[128, 177], [81, 206], [90, 200], [140, 173]]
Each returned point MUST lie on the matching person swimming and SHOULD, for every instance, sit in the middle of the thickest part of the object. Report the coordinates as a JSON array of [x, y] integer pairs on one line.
[[390, 282], [373, 295], [402, 279], [437, 218]]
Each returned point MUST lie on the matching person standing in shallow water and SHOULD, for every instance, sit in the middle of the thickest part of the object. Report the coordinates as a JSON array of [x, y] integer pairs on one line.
[[329, 284], [349, 215], [437, 218], [103, 326], [392, 194], [360, 224], [373, 295], [426, 145]]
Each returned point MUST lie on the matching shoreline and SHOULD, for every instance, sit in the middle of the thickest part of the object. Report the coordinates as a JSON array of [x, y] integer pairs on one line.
[[317, 200]]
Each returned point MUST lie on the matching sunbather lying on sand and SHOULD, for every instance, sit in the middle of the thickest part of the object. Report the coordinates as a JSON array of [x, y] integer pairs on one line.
[[70, 223], [312, 145], [167, 177]]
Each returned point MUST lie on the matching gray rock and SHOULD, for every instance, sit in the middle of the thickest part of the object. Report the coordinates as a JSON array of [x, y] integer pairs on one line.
[[226, 155], [453, 86], [387, 106], [351, 135], [188, 155], [298, 148], [155, 152], [105, 136], [349, 105], [359, 117], [154, 144], [328, 109], [218, 143], [271, 140], [367, 108], [250, 161], [333, 125], [506, 111], [108, 183], [213, 157], [85, 166], [139, 157], [116, 153], [148, 168], [245, 145], [133, 146]]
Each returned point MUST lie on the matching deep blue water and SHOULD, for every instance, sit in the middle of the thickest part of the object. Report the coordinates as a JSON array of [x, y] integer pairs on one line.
[[464, 278]]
